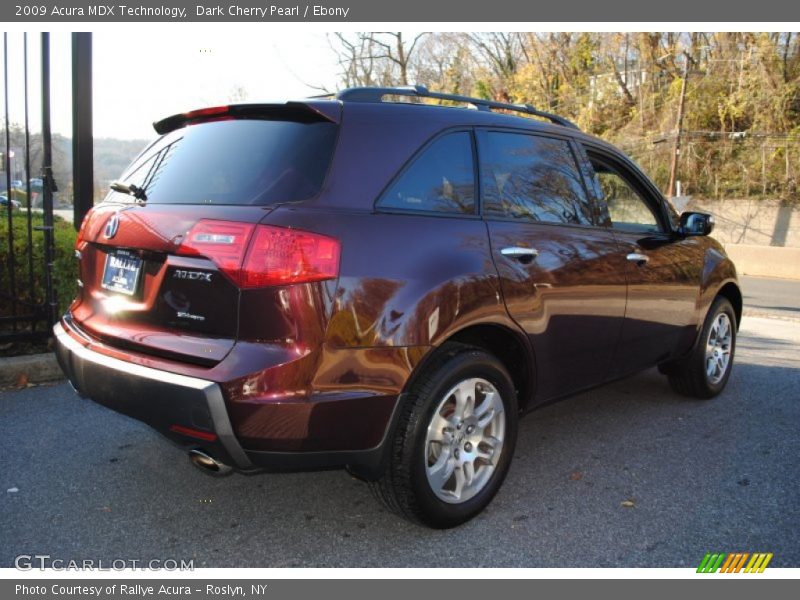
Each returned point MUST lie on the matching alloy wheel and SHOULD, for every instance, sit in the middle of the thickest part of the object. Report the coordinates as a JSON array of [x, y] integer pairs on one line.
[[718, 348], [464, 440]]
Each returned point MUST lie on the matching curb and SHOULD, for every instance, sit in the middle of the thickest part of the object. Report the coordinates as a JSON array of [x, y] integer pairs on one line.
[[32, 368]]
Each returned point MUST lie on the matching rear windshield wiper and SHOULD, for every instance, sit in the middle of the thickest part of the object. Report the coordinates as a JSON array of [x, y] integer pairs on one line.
[[130, 189]]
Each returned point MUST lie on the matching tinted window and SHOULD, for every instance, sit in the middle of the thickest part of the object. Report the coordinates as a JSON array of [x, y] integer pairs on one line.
[[534, 178], [441, 178], [236, 162], [627, 208]]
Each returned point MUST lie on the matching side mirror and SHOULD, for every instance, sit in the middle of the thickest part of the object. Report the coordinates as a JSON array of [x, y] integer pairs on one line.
[[696, 223]]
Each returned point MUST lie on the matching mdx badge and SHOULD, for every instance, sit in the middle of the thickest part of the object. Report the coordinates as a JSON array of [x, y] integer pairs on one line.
[[192, 275]]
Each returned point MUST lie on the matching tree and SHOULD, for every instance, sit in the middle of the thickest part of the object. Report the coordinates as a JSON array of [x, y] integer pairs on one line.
[[741, 127], [376, 58]]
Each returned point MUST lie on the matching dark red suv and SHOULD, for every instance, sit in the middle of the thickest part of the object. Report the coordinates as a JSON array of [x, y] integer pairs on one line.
[[385, 286]]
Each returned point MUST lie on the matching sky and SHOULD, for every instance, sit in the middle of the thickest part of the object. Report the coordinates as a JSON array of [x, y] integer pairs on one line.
[[140, 78]]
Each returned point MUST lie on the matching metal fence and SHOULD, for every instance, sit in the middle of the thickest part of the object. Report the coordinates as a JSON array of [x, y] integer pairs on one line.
[[28, 305]]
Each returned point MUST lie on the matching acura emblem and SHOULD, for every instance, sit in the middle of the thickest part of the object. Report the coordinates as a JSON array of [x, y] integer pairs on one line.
[[112, 226]]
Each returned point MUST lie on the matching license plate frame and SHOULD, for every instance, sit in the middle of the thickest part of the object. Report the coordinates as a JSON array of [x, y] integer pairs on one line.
[[122, 271]]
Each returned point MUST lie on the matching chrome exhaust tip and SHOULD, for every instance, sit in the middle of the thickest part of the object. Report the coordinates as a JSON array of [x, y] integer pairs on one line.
[[208, 464]]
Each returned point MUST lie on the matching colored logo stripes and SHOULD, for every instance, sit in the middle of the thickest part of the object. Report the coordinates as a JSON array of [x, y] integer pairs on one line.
[[734, 562]]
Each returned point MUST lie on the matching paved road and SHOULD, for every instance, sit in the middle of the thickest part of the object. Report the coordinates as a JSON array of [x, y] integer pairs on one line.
[[719, 475], [764, 296]]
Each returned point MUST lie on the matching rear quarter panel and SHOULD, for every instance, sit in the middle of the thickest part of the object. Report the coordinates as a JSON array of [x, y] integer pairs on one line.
[[405, 280], [406, 284]]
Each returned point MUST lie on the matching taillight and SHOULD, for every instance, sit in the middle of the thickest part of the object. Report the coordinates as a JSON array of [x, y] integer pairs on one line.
[[255, 256], [224, 242]]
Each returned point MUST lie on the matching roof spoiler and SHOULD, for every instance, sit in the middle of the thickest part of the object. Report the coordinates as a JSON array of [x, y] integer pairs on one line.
[[307, 112]]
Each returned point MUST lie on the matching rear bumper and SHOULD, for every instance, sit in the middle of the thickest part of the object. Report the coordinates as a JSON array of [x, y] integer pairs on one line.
[[165, 400], [158, 398]]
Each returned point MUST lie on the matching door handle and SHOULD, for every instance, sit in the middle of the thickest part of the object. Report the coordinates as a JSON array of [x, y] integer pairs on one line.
[[639, 259], [522, 254]]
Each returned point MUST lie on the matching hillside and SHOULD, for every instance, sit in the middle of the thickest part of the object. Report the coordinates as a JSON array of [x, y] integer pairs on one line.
[[111, 156]]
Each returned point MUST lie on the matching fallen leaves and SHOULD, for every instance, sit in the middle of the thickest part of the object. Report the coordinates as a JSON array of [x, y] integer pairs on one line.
[[576, 476], [629, 503]]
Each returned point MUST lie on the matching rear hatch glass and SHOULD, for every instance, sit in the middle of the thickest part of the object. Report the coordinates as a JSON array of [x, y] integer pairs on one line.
[[244, 162]]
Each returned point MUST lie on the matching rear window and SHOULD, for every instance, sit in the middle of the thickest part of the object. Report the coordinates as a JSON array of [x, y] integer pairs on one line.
[[245, 161], [440, 179]]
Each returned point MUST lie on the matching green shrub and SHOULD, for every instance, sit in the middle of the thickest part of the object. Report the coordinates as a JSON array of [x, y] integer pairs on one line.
[[65, 268]]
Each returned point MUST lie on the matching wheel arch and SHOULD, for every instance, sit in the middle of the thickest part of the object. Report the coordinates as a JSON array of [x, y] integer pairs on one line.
[[509, 346], [731, 291]]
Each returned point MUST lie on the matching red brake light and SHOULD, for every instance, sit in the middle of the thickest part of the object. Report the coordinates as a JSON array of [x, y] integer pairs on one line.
[[274, 255], [279, 256], [202, 115], [206, 115], [213, 111]]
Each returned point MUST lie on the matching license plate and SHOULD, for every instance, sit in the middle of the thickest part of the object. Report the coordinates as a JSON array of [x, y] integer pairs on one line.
[[122, 271]]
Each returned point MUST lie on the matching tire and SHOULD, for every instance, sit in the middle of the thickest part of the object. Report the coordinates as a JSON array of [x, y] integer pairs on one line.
[[438, 433], [698, 376]]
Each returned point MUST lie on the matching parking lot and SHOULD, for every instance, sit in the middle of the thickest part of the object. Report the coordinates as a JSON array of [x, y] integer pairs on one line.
[[626, 475]]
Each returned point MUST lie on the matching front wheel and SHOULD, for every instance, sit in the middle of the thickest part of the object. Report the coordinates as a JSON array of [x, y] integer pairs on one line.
[[454, 441], [706, 371]]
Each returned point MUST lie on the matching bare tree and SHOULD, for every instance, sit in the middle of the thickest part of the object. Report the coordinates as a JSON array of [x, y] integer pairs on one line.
[[375, 58], [502, 53]]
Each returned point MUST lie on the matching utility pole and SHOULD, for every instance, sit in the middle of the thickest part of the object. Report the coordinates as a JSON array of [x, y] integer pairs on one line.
[[673, 170]]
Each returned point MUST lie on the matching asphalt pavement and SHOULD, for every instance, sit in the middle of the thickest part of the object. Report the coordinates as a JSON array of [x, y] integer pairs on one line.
[[628, 475]]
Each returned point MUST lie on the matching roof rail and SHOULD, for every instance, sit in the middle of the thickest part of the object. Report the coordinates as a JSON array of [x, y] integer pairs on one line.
[[376, 94]]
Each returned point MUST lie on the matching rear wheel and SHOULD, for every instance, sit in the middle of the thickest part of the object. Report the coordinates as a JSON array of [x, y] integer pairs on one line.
[[454, 442], [705, 372]]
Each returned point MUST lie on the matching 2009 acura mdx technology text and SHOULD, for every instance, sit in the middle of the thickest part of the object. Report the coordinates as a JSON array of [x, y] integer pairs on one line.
[[385, 286]]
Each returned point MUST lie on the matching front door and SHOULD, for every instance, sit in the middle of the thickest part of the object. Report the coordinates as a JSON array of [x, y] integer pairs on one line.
[[662, 270]]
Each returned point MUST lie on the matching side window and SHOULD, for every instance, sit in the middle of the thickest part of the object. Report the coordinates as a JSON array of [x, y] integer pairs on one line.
[[628, 210], [534, 178], [441, 179]]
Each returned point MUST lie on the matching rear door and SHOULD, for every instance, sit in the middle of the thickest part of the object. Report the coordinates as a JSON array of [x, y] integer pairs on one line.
[[662, 270], [563, 279]]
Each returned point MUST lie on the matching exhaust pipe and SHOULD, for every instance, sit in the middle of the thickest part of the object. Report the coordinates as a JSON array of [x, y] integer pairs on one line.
[[208, 464]]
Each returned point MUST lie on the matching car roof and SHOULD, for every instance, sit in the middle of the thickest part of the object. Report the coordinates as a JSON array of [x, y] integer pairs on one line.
[[437, 117], [377, 138]]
